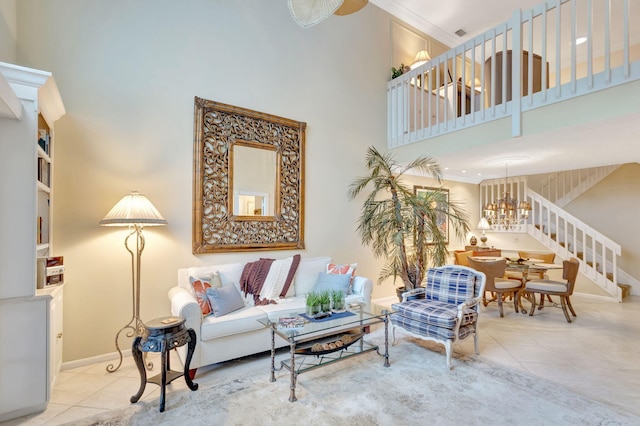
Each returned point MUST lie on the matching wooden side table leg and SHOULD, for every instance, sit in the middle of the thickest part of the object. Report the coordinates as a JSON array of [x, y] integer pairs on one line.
[[190, 349], [163, 378], [137, 356]]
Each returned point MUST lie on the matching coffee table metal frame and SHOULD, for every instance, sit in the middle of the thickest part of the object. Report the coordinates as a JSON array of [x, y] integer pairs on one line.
[[314, 332]]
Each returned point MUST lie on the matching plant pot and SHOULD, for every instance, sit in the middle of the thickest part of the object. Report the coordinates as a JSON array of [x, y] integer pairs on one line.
[[310, 310], [338, 306], [326, 307]]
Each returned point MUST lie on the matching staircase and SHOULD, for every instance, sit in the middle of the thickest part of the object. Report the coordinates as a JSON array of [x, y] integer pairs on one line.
[[568, 236], [563, 233]]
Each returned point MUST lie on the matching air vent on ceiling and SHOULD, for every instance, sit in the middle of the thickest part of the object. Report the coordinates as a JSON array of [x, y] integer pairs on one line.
[[461, 33]]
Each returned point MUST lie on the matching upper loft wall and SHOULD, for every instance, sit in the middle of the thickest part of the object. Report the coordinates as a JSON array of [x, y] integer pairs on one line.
[[8, 31]]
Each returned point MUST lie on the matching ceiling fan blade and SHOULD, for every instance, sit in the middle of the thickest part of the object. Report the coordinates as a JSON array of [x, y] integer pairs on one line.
[[311, 12]]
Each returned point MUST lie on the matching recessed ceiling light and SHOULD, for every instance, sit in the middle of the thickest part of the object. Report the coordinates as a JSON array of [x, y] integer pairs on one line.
[[580, 40], [446, 168], [508, 160], [464, 171]]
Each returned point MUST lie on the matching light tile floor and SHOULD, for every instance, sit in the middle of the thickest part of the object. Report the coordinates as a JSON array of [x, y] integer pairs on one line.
[[596, 355]]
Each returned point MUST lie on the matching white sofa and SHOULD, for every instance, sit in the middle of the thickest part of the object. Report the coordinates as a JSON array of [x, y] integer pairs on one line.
[[239, 333]]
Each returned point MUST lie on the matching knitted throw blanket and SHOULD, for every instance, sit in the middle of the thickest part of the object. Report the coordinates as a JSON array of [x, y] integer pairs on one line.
[[268, 278]]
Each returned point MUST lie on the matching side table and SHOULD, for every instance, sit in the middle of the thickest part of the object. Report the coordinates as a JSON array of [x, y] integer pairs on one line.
[[162, 335]]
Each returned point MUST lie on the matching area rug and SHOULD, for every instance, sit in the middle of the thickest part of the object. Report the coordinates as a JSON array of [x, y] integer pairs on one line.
[[417, 389]]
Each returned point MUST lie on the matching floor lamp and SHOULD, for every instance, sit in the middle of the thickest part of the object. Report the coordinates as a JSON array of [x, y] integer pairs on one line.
[[135, 211]]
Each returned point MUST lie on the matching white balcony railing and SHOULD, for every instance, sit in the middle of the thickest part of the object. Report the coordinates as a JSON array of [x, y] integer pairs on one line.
[[462, 88]]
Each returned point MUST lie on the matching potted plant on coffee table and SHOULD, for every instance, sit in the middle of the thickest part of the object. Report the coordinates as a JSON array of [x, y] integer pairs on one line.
[[402, 227]]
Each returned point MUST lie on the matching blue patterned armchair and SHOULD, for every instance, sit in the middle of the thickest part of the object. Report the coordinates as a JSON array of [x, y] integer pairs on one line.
[[449, 310]]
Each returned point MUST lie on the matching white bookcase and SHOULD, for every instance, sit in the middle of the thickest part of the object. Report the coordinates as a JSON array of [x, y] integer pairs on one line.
[[30, 319]]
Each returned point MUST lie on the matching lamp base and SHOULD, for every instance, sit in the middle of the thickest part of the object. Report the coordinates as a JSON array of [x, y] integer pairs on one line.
[[483, 240]]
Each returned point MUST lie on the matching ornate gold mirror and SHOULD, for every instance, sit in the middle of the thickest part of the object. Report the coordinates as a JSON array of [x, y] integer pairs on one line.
[[248, 191]]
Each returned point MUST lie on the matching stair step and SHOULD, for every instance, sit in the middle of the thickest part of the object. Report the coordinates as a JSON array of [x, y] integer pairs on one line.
[[626, 290]]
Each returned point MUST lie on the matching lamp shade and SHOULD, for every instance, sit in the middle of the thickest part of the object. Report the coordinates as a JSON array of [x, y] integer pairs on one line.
[[422, 57], [133, 209], [484, 224]]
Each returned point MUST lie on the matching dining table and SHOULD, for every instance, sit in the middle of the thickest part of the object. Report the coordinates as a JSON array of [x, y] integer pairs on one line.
[[525, 267]]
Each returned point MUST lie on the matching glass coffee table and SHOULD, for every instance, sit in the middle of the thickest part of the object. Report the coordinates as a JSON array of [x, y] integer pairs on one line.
[[316, 343]]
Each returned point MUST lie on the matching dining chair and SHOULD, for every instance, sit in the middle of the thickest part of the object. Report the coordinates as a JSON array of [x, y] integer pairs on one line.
[[460, 257], [556, 288], [546, 258], [496, 283]]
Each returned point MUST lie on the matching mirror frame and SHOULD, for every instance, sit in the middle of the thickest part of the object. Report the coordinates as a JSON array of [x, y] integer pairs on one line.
[[217, 127]]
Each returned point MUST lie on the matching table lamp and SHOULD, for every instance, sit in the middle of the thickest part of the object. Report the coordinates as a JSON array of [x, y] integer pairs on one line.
[[484, 226], [135, 211]]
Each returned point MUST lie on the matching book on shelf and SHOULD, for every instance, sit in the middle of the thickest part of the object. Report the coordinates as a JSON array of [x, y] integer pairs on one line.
[[44, 140], [44, 172], [50, 271], [291, 322]]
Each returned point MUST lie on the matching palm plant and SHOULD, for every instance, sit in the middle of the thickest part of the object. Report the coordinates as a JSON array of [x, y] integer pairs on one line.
[[401, 226]]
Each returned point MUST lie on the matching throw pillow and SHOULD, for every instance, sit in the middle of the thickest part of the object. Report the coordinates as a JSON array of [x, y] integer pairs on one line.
[[348, 268], [200, 286], [224, 300], [332, 282]]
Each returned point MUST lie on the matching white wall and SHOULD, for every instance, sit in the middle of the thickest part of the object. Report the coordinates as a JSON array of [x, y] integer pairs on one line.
[[8, 31], [128, 73]]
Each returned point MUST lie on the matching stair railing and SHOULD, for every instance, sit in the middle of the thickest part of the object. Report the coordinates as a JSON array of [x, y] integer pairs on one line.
[[568, 236], [563, 187]]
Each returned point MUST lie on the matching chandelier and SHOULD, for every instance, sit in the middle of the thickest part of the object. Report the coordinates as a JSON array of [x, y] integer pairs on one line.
[[507, 213]]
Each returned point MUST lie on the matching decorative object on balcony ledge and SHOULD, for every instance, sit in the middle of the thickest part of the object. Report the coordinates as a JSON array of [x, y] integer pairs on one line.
[[397, 72], [135, 211], [506, 213], [483, 225], [405, 228], [308, 13]]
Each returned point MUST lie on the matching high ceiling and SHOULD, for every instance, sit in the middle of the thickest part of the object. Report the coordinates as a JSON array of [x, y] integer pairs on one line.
[[569, 148]]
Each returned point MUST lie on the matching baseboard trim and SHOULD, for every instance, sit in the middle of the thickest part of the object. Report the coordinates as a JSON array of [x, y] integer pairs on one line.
[[69, 365]]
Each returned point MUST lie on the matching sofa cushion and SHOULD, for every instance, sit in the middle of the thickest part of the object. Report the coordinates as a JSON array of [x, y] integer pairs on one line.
[[450, 285], [332, 282], [229, 273], [307, 274], [284, 307], [433, 312], [224, 300], [241, 321]]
